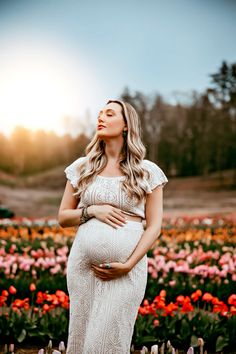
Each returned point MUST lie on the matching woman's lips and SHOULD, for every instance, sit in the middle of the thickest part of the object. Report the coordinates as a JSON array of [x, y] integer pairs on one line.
[[101, 127]]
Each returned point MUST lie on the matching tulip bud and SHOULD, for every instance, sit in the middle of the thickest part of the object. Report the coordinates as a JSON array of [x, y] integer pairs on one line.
[[154, 349], [11, 348], [50, 344], [200, 342], [12, 290], [162, 349], [32, 287], [190, 350], [62, 346], [41, 351]]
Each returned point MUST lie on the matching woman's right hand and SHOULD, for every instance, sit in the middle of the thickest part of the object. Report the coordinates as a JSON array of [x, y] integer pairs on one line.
[[109, 214]]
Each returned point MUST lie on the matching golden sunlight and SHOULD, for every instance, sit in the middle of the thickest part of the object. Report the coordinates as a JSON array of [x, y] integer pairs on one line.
[[40, 87]]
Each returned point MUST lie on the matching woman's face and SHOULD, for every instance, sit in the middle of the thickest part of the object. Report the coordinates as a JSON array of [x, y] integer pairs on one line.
[[110, 121]]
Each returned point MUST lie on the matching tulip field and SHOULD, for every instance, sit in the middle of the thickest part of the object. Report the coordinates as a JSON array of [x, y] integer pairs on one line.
[[190, 294]]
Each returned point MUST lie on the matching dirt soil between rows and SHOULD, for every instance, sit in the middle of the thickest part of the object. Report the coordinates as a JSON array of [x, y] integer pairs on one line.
[[40, 196]]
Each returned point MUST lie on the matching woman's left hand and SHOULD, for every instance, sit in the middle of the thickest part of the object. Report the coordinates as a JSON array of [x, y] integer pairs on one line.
[[117, 270]]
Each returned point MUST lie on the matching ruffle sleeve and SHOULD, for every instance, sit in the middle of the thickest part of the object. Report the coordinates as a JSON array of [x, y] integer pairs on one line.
[[72, 173], [157, 176]]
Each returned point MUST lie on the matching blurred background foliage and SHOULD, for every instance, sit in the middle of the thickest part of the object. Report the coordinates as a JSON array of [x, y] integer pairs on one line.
[[190, 139]]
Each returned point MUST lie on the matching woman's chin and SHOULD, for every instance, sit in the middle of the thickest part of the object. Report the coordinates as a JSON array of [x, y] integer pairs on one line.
[[102, 135]]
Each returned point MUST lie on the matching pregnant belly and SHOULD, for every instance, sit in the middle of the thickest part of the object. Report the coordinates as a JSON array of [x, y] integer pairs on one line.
[[100, 242]]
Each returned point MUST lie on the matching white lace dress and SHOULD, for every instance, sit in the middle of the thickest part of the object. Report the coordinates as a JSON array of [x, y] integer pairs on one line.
[[103, 313]]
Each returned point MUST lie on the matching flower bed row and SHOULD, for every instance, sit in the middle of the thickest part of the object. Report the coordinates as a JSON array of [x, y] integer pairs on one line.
[[176, 221], [183, 321], [181, 261], [194, 261], [44, 316]]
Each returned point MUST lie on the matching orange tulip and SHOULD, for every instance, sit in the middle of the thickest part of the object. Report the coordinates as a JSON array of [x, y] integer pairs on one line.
[[169, 309], [195, 296]]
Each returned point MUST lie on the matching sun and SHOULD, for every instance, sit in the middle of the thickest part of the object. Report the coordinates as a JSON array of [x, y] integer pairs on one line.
[[39, 87]]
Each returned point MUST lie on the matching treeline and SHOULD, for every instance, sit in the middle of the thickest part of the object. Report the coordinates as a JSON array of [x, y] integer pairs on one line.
[[27, 152], [192, 138]]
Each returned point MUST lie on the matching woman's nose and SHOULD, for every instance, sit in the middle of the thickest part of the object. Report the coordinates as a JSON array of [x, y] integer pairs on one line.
[[100, 119]]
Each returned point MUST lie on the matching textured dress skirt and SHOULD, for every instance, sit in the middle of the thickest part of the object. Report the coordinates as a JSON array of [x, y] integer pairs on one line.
[[103, 313]]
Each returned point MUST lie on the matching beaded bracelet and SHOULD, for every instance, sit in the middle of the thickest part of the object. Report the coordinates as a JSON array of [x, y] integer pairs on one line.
[[84, 216]]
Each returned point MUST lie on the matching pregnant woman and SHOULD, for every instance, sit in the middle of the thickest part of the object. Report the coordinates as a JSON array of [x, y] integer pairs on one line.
[[108, 194]]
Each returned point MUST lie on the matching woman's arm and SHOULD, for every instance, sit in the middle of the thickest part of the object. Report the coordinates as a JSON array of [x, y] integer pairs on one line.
[[68, 214], [154, 214]]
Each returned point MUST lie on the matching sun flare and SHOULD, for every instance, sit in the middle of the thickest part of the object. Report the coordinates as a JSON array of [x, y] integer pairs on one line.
[[39, 88]]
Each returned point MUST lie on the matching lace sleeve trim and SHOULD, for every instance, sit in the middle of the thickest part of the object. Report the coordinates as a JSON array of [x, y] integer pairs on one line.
[[158, 178], [71, 172]]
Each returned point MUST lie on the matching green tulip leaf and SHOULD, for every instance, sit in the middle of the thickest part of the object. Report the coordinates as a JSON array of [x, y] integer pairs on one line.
[[221, 343], [194, 341], [22, 336]]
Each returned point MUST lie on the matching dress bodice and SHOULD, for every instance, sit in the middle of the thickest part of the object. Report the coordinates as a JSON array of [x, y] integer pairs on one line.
[[107, 190]]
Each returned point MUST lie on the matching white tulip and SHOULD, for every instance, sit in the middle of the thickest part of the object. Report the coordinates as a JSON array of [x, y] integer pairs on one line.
[[62, 346], [11, 348], [50, 344], [190, 350], [41, 351], [154, 349]]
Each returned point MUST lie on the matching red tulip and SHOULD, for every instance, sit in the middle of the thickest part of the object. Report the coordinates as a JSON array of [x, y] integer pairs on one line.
[[156, 323], [46, 308], [163, 293], [232, 300], [32, 287], [180, 299], [12, 290], [233, 310], [207, 297], [5, 293]]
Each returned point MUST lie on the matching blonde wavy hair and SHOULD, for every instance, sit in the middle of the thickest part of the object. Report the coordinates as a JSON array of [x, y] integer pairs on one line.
[[132, 154]]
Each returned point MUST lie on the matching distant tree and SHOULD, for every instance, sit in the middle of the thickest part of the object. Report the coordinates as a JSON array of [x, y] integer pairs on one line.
[[223, 89], [223, 95], [151, 115], [21, 143], [5, 162]]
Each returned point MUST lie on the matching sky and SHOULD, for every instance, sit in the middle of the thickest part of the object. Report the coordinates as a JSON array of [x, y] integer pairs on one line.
[[60, 61]]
